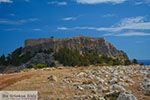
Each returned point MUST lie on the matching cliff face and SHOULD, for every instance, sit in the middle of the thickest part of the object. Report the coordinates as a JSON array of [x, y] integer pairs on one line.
[[82, 44]]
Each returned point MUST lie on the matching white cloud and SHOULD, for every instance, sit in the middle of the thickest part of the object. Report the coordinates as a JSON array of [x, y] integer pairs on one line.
[[147, 1], [17, 22], [76, 28], [62, 3], [37, 29], [6, 1], [128, 24], [33, 19], [140, 2], [62, 28], [108, 15], [138, 42], [134, 23], [12, 29], [100, 1], [137, 2], [69, 18], [133, 34], [131, 20], [12, 14], [10, 22]]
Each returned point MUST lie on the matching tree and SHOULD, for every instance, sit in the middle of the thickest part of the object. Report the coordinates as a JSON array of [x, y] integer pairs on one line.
[[52, 37], [3, 60], [93, 57], [127, 62], [134, 61], [117, 62], [69, 57], [17, 57]]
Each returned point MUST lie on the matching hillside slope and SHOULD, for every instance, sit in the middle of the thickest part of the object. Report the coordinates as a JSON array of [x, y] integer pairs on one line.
[[53, 52], [77, 83]]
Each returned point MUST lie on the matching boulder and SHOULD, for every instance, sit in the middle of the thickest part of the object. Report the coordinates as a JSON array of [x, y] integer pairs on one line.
[[97, 98], [89, 87], [100, 80], [126, 96], [52, 78], [80, 88], [146, 86], [113, 81], [116, 87], [81, 74]]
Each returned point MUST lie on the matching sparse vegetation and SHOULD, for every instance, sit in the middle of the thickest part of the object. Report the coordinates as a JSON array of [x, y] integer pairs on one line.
[[70, 57], [18, 57], [66, 56], [38, 66], [128, 62]]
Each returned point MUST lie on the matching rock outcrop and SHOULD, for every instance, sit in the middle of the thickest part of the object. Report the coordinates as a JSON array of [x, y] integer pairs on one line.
[[41, 58], [126, 96], [145, 84], [52, 78], [81, 44]]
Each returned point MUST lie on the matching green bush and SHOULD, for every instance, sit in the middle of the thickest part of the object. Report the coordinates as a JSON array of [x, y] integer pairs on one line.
[[30, 66], [39, 66]]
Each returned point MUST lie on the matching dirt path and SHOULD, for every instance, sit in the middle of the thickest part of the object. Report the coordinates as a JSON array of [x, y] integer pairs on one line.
[[7, 80]]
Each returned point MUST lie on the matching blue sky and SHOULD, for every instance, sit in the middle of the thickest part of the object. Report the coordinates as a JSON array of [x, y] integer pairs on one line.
[[124, 23]]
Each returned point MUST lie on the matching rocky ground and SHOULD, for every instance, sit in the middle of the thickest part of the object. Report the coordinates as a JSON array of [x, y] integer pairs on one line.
[[83, 83]]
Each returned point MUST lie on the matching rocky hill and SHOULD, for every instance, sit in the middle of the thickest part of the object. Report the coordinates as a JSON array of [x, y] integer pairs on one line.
[[81, 44], [76, 51]]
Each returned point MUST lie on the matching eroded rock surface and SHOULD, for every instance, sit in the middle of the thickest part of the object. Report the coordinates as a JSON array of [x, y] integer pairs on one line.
[[145, 84], [126, 96], [41, 58], [81, 43]]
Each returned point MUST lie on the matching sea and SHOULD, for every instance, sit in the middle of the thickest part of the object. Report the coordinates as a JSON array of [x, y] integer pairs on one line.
[[145, 62]]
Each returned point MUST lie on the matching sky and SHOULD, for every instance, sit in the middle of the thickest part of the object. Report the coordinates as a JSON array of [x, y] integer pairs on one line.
[[124, 23]]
